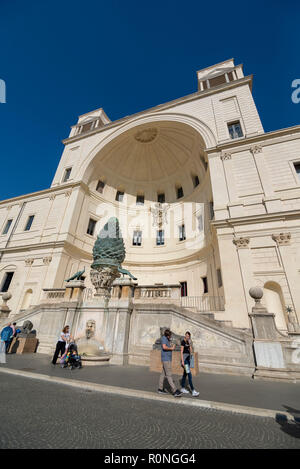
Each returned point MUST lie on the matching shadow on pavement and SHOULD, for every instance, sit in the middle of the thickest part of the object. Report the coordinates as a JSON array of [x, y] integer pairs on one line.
[[291, 428]]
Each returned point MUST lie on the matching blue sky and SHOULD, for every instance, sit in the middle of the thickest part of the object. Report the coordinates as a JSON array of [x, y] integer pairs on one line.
[[60, 59]]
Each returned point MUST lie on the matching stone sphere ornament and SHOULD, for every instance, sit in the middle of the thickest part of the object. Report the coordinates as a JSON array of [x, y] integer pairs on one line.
[[256, 293], [6, 296]]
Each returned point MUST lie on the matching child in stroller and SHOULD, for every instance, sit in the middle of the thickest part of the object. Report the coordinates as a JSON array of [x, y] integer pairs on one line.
[[71, 358]]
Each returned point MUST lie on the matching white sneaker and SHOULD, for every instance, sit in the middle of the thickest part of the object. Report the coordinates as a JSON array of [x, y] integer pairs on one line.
[[184, 391], [195, 393]]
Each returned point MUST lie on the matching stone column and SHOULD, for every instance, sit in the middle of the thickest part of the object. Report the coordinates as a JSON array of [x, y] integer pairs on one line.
[[234, 291]]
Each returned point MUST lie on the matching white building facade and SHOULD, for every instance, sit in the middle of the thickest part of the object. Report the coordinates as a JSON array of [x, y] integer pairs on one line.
[[228, 213]]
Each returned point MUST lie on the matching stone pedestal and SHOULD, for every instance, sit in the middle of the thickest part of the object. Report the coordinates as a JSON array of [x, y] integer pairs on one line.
[[123, 288], [23, 345], [74, 290], [155, 363], [267, 347]]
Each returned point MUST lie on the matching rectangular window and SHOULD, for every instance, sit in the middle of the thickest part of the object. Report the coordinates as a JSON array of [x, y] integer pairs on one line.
[[67, 174], [29, 223], [160, 238], [137, 238], [140, 199], [205, 286], [7, 226], [235, 129], [161, 198], [183, 288], [196, 181], [182, 236], [91, 227], [119, 196], [211, 210], [219, 277], [200, 222], [297, 169], [6, 281], [100, 186], [179, 192]]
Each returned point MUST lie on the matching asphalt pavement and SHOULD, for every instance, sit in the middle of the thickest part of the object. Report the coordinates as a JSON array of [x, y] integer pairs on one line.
[[222, 388]]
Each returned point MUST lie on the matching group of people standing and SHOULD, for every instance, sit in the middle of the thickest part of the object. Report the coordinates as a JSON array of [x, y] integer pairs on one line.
[[186, 351]]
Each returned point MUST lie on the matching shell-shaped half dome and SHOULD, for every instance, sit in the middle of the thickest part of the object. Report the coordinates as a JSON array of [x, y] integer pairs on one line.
[[149, 159]]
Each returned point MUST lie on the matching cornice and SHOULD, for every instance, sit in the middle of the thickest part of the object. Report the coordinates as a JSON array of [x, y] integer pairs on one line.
[[50, 192], [161, 107], [234, 146], [246, 220]]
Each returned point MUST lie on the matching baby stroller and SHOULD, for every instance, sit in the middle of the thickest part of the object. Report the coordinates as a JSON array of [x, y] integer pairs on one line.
[[70, 358]]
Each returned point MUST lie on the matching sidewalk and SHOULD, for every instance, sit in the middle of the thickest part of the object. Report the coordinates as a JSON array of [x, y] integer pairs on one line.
[[138, 381]]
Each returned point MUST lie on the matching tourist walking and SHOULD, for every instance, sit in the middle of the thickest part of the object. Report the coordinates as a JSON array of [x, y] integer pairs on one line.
[[62, 342], [186, 351], [6, 336], [166, 359]]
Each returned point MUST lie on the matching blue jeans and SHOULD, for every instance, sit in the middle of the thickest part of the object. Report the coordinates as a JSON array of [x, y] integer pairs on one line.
[[187, 362]]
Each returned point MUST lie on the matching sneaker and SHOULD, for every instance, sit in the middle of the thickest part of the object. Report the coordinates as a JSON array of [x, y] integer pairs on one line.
[[184, 391], [195, 393], [162, 391], [177, 393]]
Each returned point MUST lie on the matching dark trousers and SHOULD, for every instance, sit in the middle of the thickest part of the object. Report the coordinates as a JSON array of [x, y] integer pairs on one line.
[[60, 347], [7, 345], [187, 362]]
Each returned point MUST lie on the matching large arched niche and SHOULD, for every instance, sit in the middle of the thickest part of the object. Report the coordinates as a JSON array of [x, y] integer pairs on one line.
[[150, 157], [152, 151], [274, 302]]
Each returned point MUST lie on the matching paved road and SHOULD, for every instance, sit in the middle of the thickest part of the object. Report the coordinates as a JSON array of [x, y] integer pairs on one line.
[[36, 414], [240, 390]]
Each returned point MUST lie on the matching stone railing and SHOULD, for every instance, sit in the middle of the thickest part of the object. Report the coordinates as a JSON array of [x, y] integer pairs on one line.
[[203, 303], [53, 295], [170, 293]]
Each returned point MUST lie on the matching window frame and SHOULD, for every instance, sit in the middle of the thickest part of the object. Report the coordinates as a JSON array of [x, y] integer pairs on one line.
[[219, 278], [137, 237], [138, 202], [102, 187], [183, 289], [297, 175], [182, 232], [118, 193], [30, 217], [159, 196], [69, 168], [160, 238], [4, 279], [7, 226], [230, 123], [94, 226], [205, 284]]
